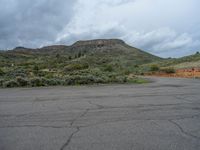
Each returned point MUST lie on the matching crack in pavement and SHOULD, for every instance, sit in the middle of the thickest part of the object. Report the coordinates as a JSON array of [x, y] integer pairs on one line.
[[75, 132], [71, 124], [189, 117], [97, 105], [99, 97], [69, 139], [180, 97], [148, 119], [150, 106], [183, 131], [33, 126], [82, 115]]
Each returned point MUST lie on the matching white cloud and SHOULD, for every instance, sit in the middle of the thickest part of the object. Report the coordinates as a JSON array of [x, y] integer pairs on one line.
[[163, 27], [153, 25]]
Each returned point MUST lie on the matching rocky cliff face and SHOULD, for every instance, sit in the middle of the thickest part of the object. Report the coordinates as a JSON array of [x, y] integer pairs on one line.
[[89, 45], [98, 43], [93, 49]]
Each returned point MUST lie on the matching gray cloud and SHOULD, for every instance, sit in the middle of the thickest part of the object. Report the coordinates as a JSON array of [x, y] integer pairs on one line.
[[162, 27], [32, 22]]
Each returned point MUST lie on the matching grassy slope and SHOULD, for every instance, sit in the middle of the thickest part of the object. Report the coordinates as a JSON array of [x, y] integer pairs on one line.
[[184, 62], [84, 65]]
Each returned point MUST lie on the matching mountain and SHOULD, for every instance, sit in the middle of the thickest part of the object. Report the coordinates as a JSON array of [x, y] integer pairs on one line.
[[191, 61], [84, 62], [100, 47]]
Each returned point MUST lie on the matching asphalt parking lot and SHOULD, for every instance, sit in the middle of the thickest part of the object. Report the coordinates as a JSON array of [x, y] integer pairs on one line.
[[163, 115]]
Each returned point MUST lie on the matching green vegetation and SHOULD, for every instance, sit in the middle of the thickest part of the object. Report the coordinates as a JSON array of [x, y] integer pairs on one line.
[[1, 72], [170, 65], [168, 70], [154, 68], [60, 65], [82, 63], [184, 62]]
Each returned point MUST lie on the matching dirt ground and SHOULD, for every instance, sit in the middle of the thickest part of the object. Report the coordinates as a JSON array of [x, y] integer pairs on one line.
[[182, 73]]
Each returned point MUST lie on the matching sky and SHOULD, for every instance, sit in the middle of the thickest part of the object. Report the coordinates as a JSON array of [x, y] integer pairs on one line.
[[166, 28]]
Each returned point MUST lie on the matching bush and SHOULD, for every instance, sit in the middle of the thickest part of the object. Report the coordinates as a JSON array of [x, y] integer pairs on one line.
[[121, 79], [73, 67], [1, 72], [154, 68], [35, 68], [38, 82], [108, 68], [1, 83], [22, 82], [49, 75], [17, 73], [11, 83], [168, 70], [83, 79], [53, 82], [126, 72]]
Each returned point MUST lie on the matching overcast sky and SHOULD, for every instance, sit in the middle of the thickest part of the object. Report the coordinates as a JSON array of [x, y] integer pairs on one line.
[[167, 28]]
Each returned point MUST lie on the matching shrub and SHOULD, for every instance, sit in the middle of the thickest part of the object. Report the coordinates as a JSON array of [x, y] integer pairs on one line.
[[108, 68], [1, 82], [69, 80], [121, 79], [77, 66], [154, 68], [53, 82], [11, 83], [38, 82], [16, 73], [49, 75], [79, 54], [136, 66], [127, 72], [1, 72], [83, 79], [168, 70], [21, 81], [35, 69]]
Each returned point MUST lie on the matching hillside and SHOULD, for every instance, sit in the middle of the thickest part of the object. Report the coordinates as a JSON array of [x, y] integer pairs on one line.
[[184, 62], [84, 62], [188, 66]]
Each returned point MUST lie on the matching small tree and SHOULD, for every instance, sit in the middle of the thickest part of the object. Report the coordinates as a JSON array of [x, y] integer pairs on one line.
[[1, 72], [169, 70], [36, 69], [197, 53], [154, 68], [79, 54], [21, 81], [108, 68], [136, 66], [57, 56]]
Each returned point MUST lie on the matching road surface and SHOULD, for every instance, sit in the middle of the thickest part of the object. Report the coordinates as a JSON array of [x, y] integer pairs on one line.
[[164, 115]]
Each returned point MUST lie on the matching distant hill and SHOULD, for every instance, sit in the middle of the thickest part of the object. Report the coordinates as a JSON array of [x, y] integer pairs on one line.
[[191, 61], [84, 62], [97, 48]]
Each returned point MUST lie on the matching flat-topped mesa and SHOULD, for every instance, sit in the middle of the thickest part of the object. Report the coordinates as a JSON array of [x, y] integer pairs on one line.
[[54, 47], [98, 43], [19, 48]]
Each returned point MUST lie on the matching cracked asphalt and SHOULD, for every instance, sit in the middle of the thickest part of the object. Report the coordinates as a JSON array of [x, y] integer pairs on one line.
[[163, 115]]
